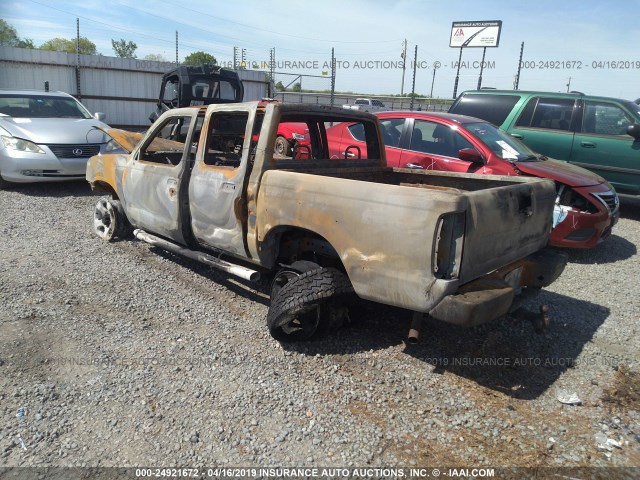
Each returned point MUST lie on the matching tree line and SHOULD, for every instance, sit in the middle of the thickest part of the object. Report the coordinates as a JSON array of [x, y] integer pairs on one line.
[[121, 47]]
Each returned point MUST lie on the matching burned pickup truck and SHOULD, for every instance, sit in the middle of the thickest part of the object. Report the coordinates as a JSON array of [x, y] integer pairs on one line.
[[206, 183]]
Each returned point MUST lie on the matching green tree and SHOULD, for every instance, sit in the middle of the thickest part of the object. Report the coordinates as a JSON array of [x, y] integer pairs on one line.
[[155, 57], [197, 58], [9, 37], [87, 47], [280, 87], [25, 43], [123, 48], [297, 87]]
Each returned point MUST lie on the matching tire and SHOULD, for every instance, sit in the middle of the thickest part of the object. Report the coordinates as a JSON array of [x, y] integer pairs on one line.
[[283, 147], [109, 220], [286, 274], [307, 304]]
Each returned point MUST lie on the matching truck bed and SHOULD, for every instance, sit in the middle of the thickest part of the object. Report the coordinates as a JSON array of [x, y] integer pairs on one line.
[[496, 213]]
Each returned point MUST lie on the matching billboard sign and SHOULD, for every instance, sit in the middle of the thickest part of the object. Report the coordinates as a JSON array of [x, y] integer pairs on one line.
[[484, 33]]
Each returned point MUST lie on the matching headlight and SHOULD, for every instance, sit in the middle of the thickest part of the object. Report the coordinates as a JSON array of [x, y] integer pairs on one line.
[[297, 136], [21, 145]]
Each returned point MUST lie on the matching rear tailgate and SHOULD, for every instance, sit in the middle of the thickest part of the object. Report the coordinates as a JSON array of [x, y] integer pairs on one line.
[[504, 224]]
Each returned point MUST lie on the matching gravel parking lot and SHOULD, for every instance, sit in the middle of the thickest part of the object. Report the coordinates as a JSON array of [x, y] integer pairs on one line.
[[121, 355]]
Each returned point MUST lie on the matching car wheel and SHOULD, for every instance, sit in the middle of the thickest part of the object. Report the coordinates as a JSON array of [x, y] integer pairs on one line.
[[307, 303], [110, 221], [283, 147]]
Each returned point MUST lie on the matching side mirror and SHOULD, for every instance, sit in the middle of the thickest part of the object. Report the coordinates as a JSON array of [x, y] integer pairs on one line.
[[634, 131], [99, 116], [470, 155]]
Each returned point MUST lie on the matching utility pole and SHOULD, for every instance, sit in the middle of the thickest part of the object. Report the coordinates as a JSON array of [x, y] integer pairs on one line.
[[272, 71], [517, 81], [413, 86], [568, 84], [177, 61], [403, 55], [333, 76], [433, 79]]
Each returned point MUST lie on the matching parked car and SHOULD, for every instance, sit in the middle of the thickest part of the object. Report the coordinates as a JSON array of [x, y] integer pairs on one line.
[[288, 136], [46, 136], [587, 206], [601, 134], [366, 105]]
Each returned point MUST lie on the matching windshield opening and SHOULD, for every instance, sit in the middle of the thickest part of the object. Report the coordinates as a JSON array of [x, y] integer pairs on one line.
[[501, 143]]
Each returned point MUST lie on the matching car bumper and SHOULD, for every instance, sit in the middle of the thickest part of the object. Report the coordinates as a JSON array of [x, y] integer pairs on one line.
[[28, 168], [585, 229], [493, 296]]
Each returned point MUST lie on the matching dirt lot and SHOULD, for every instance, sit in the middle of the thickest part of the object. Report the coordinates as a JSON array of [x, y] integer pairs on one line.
[[121, 355]]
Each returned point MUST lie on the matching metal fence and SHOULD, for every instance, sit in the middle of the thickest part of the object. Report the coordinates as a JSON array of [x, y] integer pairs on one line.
[[392, 103], [125, 89]]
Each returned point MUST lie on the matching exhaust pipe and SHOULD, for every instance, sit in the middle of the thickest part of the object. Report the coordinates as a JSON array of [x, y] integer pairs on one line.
[[233, 269], [414, 331]]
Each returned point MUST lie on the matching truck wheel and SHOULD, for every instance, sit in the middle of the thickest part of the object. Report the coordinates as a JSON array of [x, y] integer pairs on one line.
[[110, 221], [286, 274], [283, 147], [306, 303]]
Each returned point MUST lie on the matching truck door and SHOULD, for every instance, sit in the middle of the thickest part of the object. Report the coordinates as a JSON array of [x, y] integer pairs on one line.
[[217, 208], [156, 173]]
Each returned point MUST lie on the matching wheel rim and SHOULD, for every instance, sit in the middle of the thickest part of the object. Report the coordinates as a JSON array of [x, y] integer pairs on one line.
[[281, 148], [104, 222]]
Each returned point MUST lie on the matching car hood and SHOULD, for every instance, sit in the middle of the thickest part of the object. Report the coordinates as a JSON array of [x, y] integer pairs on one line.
[[563, 172], [55, 130], [127, 140]]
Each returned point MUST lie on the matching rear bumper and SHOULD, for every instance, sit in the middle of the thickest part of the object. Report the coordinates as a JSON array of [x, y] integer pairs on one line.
[[493, 295]]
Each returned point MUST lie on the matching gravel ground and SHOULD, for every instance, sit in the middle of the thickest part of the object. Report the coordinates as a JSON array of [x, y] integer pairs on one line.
[[121, 355]]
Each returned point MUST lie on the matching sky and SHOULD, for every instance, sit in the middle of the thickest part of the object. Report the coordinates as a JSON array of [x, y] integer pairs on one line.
[[586, 45]]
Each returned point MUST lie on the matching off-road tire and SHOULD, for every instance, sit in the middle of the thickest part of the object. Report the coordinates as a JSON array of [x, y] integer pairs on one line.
[[303, 307], [109, 220]]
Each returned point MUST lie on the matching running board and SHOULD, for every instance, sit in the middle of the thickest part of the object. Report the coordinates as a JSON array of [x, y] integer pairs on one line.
[[237, 270]]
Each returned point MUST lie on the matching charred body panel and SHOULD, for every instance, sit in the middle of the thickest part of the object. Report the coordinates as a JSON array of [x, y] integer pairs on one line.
[[458, 246], [385, 238]]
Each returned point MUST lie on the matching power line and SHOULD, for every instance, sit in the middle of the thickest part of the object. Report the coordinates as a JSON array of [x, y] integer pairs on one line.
[[252, 27]]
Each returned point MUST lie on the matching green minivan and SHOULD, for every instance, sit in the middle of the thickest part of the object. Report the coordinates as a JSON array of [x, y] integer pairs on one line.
[[601, 134]]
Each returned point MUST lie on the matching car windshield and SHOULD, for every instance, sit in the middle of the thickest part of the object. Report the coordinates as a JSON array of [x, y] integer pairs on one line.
[[633, 107], [501, 143], [41, 106]]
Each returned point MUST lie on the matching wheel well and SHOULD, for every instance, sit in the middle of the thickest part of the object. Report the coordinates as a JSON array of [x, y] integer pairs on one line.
[[293, 244], [104, 187]]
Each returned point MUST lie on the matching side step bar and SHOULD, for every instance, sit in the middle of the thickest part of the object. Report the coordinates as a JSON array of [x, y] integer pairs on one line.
[[237, 270]]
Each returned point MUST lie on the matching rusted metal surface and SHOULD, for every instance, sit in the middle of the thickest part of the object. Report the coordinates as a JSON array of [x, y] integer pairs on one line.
[[127, 140], [387, 236]]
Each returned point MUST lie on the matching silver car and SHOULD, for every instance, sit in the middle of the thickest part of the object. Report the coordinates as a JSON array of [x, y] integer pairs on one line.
[[46, 136]]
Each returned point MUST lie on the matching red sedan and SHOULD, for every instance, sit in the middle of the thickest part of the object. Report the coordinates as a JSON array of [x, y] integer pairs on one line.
[[586, 205]]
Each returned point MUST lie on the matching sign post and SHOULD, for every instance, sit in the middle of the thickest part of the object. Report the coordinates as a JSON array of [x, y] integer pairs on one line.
[[485, 33]]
